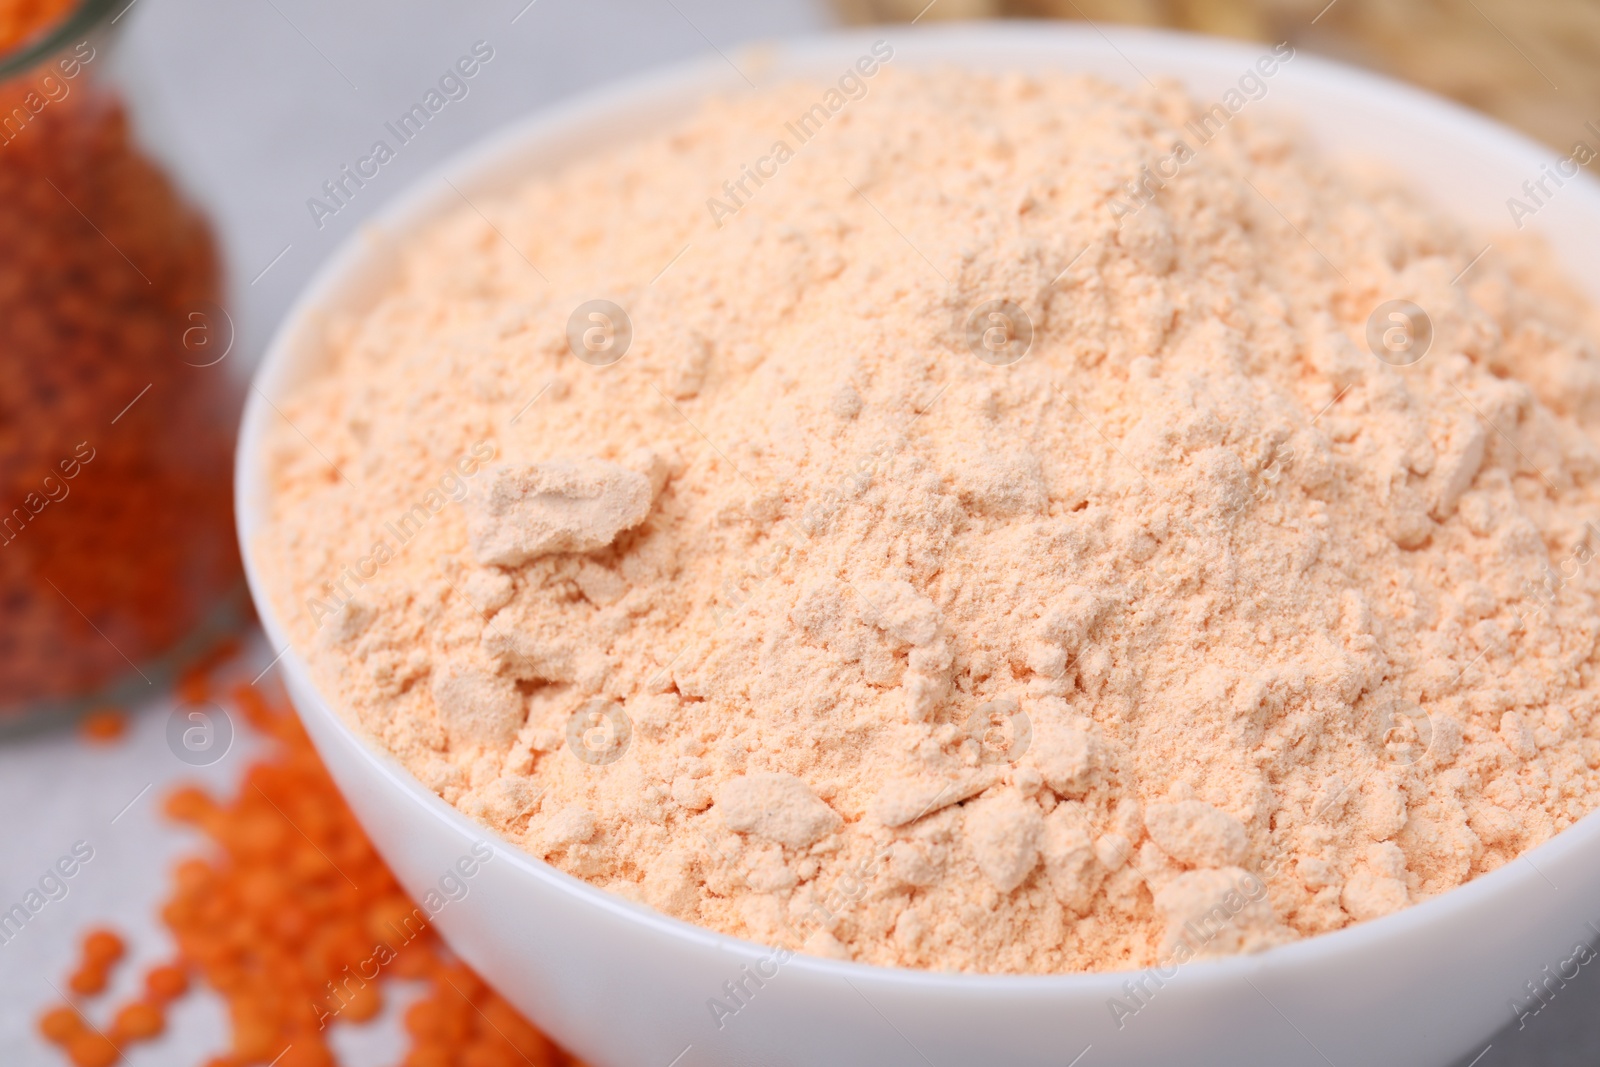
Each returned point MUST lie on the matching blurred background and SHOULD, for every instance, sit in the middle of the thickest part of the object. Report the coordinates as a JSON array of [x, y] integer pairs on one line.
[[161, 163], [1534, 64]]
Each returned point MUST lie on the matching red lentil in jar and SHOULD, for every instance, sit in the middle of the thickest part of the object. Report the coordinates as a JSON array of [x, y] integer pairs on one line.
[[115, 418]]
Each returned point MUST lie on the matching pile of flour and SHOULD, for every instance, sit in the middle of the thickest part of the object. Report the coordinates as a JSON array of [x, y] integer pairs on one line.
[[821, 619]]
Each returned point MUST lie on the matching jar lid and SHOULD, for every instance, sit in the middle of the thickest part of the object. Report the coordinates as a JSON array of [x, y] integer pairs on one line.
[[38, 47]]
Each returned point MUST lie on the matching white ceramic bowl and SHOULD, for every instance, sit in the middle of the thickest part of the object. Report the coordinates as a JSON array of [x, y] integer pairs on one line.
[[624, 986]]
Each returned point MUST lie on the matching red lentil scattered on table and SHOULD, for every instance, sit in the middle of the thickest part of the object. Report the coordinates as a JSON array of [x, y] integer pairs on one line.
[[291, 904]]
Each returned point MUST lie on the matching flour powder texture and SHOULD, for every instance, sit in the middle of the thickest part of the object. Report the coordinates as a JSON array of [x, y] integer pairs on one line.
[[967, 522]]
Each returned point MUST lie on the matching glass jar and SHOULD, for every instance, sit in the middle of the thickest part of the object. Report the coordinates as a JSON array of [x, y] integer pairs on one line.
[[116, 411]]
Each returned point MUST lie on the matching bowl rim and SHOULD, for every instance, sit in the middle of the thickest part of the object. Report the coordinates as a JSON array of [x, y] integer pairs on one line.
[[422, 200]]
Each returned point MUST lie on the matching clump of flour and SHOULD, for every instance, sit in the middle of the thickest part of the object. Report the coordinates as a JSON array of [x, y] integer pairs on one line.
[[803, 622]]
